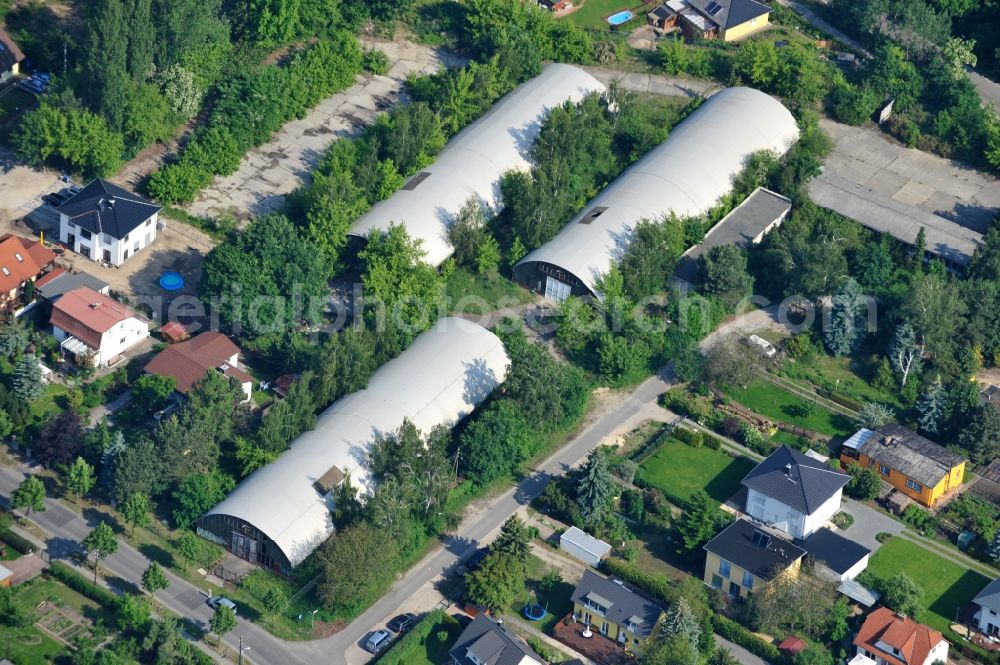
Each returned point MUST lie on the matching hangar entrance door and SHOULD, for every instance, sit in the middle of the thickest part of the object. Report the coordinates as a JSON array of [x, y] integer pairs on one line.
[[556, 290], [244, 547]]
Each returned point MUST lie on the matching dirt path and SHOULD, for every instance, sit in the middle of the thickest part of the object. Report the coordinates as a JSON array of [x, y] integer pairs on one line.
[[268, 173]]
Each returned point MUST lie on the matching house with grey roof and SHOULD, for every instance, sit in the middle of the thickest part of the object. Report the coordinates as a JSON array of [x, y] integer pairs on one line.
[[744, 558], [614, 610], [485, 642], [106, 223], [715, 19], [988, 615], [915, 466], [794, 493]]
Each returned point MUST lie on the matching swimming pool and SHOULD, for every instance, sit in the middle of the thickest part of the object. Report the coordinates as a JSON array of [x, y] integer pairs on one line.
[[620, 17]]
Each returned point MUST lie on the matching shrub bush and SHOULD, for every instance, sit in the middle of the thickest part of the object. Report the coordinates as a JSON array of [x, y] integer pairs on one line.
[[691, 437], [22, 545], [655, 585], [82, 585], [713, 442], [845, 401], [737, 634], [376, 62], [402, 652]]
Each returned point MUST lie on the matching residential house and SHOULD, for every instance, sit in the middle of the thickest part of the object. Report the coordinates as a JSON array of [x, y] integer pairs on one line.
[[917, 467], [988, 614], [485, 642], [583, 546], [793, 492], [892, 639], [10, 57], [22, 260], [187, 362], [107, 223], [727, 20], [87, 323], [614, 610], [745, 558]]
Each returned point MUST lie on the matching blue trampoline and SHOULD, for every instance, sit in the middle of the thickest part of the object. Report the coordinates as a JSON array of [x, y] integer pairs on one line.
[[534, 612], [172, 281]]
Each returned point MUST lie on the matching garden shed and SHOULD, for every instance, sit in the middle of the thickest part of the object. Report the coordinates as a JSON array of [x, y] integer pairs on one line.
[[583, 546]]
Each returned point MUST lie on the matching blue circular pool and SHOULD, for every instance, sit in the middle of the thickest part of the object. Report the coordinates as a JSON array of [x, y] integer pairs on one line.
[[172, 281], [618, 18]]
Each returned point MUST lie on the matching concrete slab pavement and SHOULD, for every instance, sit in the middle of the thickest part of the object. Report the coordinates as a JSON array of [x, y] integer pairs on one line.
[[868, 523]]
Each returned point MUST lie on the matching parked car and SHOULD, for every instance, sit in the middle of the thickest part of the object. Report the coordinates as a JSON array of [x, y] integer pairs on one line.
[[763, 345], [221, 601], [402, 622], [378, 641], [473, 561]]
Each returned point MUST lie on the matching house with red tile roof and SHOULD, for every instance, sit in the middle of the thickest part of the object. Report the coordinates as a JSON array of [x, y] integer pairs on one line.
[[22, 260], [187, 362], [89, 323], [892, 639]]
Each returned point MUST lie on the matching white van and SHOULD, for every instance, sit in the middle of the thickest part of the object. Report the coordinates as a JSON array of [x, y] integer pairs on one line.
[[763, 345], [378, 641]]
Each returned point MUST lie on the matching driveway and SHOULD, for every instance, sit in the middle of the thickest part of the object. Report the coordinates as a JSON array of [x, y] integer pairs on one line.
[[268, 173], [868, 523], [741, 654]]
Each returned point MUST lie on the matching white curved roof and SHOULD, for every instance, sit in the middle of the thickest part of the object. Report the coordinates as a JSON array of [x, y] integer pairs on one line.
[[686, 174], [473, 161], [438, 380]]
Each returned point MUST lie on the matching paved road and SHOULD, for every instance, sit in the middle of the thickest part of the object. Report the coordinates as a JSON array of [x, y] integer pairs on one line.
[[66, 528]]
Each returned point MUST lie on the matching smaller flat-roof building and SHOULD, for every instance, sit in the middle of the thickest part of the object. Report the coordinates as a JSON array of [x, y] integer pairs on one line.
[[745, 225], [744, 558], [583, 546], [614, 610], [55, 283], [915, 466], [837, 559]]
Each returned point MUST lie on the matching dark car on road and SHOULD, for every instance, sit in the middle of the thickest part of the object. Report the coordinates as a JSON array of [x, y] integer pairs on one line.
[[401, 623]]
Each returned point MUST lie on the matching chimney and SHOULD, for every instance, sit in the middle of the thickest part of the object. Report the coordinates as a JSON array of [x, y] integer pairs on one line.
[[788, 469]]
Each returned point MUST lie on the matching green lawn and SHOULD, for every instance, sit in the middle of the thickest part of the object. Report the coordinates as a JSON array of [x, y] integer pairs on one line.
[[591, 13], [52, 401], [657, 554], [28, 646], [472, 293], [680, 470], [842, 375], [433, 650], [769, 400], [557, 600], [947, 586]]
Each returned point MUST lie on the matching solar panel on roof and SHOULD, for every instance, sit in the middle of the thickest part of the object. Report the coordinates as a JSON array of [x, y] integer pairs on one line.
[[713, 8]]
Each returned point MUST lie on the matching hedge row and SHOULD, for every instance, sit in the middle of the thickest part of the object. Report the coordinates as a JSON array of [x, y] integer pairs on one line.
[[845, 401], [19, 543], [400, 653], [251, 107], [82, 585], [655, 585], [737, 634]]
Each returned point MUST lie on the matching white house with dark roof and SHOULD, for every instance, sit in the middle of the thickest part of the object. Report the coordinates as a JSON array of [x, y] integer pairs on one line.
[[107, 223], [485, 642], [793, 493], [988, 615]]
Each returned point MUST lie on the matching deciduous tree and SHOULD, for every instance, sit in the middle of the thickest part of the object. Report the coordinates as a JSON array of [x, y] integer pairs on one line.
[[100, 543], [29, 495], [135, 510], [79, 478], [154, 579]]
